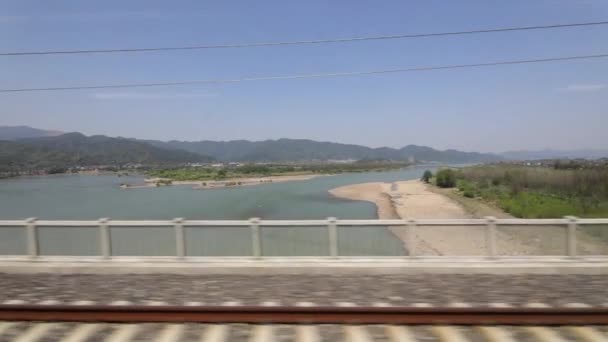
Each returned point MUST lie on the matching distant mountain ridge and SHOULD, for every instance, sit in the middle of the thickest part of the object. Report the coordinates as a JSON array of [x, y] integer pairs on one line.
[[100, 149], [19, 132], [282, 150], [30, 148], [75, 149], [17, 157]]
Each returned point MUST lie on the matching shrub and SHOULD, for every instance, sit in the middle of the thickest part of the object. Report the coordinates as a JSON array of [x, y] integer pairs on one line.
[[469, 193], [461, 185], [426, 176], [468, 189], [446, 178]]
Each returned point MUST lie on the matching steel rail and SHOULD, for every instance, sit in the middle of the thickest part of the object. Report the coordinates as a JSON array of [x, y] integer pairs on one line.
[[306, 315]]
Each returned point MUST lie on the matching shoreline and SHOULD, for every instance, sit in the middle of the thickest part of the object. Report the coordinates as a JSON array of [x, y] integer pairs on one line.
[[374, 193], [417, 200], [79, 173]]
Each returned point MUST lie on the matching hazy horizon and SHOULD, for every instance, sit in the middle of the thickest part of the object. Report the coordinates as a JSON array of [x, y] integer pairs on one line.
[[548, 149], [559, 105]]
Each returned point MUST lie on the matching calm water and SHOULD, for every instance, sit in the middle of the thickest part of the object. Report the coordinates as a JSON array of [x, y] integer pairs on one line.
[[67, 197]]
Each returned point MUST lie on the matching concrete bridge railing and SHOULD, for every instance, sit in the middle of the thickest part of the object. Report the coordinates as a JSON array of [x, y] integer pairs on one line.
[[33, 228]]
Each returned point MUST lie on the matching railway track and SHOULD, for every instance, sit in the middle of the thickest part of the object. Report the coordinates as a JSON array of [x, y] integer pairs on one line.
[[315, 308], [26, 323], [305, 314]]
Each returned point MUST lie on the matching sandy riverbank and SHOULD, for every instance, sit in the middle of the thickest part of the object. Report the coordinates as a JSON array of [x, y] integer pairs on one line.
[[225, 183], [414, 199]]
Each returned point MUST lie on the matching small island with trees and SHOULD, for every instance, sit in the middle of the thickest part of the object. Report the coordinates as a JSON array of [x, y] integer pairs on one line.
[[236, 174]]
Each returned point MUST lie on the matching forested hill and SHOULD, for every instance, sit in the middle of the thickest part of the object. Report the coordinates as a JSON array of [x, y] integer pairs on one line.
[[303, 150], [19, 151], [76, 149], [19, 157]]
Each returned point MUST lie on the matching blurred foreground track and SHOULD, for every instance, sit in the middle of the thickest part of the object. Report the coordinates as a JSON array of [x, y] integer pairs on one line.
[[307, 314], [302, 324]]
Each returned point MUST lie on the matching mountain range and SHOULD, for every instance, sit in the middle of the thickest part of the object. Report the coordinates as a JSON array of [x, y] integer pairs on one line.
[[282, 150], [46, 152], [19, 132], [26, 147]]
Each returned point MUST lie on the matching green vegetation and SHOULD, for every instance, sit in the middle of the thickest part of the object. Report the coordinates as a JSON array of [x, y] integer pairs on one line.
[[222, 173], [538, 192], [445, 178], [426, 176], [16, 158], [102, 150], [58, 154], [266, 170]]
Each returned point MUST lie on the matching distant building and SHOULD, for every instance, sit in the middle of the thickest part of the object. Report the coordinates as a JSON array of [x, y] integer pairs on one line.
[[341, 161]]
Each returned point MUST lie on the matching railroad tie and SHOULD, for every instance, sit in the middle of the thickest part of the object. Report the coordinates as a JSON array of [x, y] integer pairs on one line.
[[215, 333], [170, 333], [5, 326], [307, 333], [399, 334], [543, 334], [448, 334], [123, 333], [82, 332], [496, 334], [354, 333], [588, 334], [36, 332], [262, 333]]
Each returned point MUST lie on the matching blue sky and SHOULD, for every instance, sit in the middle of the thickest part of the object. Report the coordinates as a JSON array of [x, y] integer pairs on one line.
[[553, 105]]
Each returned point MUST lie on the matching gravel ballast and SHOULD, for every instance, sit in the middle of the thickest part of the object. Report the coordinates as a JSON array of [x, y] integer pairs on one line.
[[363, 290]]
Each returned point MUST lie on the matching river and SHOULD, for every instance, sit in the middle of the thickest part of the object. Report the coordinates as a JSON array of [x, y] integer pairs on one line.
[[66, 197]]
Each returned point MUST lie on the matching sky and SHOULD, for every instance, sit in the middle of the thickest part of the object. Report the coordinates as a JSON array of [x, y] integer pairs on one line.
[[562, 105]]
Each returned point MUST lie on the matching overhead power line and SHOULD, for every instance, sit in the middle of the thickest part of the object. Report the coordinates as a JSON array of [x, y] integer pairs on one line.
[[303, 42], [303, 76]]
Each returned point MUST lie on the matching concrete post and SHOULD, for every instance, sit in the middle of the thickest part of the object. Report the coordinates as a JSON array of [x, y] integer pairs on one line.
[[332, 231], [256, 242], [180, 243], [32, 237], [491, 236], [104, 239], [571, 236], [409, 237]]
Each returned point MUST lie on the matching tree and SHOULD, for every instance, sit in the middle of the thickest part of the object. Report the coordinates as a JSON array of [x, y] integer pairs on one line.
[[426, 176], [221, 173], [446, 178]]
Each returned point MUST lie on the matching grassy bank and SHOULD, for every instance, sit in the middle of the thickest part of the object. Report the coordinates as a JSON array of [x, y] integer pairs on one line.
[[537, 192], [532, 192]]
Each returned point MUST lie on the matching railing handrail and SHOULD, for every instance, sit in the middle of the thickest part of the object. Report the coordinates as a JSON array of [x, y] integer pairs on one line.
[[299, 223], [32, 226]]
